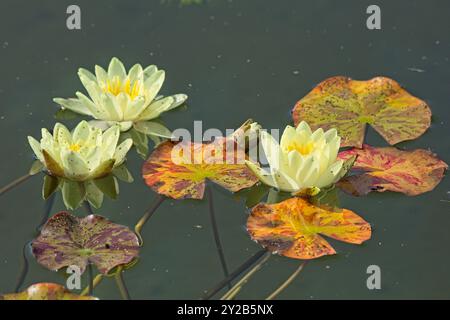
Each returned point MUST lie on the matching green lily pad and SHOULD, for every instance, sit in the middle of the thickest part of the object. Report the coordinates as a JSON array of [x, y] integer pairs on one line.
[[69, 240], [349, 105]]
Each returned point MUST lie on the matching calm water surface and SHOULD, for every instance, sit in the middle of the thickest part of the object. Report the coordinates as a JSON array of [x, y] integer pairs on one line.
[[236, 60]]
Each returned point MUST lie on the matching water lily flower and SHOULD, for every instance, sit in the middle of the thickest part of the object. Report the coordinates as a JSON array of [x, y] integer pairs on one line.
[[129, 100], [303, 162], [83, 163]]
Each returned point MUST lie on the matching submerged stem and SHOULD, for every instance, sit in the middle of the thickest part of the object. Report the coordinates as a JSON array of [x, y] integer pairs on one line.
[[216, 234], [237, 287], [48, 207], [15, 183], [285, 284], [98, 278], [24, 270], [137, 229], [91, 279], [27, 246], [88, 207], [121, 284], [247, 264]]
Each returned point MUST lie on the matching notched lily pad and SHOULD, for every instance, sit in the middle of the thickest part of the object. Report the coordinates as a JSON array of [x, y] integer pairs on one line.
[[349, 105], [381, 169], [69, 240], [45, 291], [292, 228], [180, 175]]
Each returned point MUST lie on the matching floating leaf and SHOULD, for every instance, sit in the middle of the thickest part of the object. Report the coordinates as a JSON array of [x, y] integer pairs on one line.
[[68, 240], [292, 228], [380, 169], [348, 105], [45, 291], [181, 173]]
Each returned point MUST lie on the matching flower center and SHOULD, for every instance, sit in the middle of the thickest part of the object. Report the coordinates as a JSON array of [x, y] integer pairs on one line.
[[75, 147], [303, 149], [115, 87]]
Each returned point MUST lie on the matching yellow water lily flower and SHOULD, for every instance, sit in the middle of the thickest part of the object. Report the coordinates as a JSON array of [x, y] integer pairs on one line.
[[303, 161], [118, 97], [82, 163]]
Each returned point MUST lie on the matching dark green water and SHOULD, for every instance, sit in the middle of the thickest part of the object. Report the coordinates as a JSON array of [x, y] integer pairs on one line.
[[235, 59]]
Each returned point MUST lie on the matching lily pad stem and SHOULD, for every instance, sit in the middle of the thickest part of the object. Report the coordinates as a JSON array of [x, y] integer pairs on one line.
[[285, 284], [98, 278], [121, 284], [216, 234], [137, 229], [91, 279], [88, 207], [27, 246], [247, 264], [238, 286], [15, 183]]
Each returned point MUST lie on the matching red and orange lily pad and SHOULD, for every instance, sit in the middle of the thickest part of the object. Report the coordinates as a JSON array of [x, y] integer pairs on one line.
[[67, 240], [293, 228], [349, 105], [179, 170], [45, 291], [390, 169]]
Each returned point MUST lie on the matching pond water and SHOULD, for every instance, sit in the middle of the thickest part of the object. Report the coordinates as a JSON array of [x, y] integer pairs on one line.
[[236, 60]]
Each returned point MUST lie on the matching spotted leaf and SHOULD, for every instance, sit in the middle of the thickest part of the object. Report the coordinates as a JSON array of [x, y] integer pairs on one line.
[[45, 291], [349, 105], [380, 169], [179, 170], [68, 240], [293, 228]]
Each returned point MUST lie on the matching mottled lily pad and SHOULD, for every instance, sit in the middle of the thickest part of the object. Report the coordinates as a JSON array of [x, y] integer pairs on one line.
[[349, 105], [45, 291], [68, 240], [180, 175], [381, 169], [292, 228]]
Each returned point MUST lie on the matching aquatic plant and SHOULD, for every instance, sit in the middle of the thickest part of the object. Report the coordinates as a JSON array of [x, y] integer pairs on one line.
[[179, 170], [130, 100], [291, 228], [349, 105], [303, 162], [84, 163], [390, 169], [45, 291], [66, 240]]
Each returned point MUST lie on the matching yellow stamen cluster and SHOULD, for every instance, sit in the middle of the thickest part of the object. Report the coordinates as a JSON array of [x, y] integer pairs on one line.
[[115, 87], [303, 149], [75, 147]]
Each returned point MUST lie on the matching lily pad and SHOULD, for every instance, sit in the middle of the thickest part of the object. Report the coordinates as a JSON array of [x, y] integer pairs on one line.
[[181, 175], [349, 105], [45, 291], [381, 169], [292, 228], [68, 240]]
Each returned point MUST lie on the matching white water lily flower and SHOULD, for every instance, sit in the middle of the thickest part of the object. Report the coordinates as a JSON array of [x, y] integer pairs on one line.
[[83, 163], [118, 97], [303, 160], [82, 155]]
